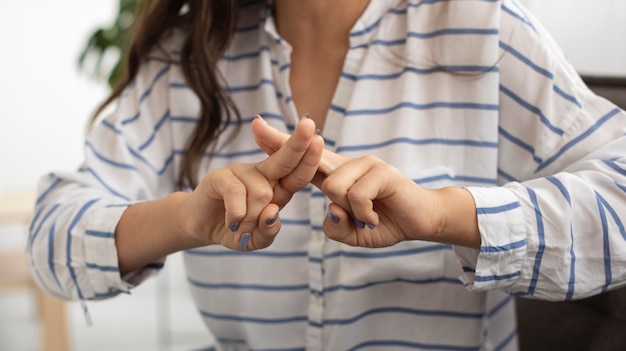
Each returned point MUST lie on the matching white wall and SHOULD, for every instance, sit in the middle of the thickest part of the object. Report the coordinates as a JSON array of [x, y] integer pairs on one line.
[[44, 105], [592, 33]]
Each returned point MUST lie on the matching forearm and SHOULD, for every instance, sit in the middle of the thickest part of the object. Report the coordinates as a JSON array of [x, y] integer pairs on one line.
[[149, 231]]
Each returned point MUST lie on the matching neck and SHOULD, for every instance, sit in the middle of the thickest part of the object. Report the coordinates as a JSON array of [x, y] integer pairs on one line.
[[305, 22]]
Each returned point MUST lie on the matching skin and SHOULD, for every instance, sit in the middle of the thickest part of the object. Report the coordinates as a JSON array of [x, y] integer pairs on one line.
[[245, 198]]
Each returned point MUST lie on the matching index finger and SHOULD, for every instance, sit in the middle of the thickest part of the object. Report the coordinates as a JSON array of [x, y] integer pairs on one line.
[[286, 159]]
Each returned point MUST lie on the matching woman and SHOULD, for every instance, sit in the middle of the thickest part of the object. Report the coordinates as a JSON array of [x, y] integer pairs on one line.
[[457, 140]]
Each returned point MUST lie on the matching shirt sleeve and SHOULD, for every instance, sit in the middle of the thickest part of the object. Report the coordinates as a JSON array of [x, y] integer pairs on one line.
[[554, 228], [128, 158]]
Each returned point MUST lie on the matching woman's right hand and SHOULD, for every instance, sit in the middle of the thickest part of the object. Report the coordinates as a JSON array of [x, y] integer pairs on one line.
[[237, 206]]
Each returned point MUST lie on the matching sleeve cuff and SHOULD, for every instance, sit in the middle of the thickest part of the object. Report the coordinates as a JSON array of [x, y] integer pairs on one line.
[[101, 257], [499, 261]]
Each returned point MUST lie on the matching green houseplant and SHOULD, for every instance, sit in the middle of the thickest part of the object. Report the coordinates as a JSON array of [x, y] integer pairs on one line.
[[110, 41]]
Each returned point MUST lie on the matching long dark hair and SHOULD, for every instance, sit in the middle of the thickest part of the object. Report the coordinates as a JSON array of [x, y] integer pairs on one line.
[[209, 25]]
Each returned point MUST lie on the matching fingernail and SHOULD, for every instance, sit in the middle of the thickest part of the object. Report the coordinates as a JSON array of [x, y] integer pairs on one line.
[[333, 218], [233, 227], [244, 240], [272, 220], [261, 118], [370, 226], [306, 115], [318, 132], [359, 223]]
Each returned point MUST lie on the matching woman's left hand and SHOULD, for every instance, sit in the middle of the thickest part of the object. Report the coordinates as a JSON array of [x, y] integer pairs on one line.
[[375, 205]]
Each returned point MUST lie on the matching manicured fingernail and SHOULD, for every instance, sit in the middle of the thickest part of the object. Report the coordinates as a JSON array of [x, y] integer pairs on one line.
[[233, 227], [333, 218], [261, 118], [318, 132], [359, 223], [244, 240], [370, 226], [306, 115], [272, 220]]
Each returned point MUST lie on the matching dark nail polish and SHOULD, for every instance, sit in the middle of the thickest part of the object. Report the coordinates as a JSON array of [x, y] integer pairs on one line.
[[306, 115], [233, 227], [359, 223], [318, 132], [333, 218], [244, 240], [272, 220], [370, 226]]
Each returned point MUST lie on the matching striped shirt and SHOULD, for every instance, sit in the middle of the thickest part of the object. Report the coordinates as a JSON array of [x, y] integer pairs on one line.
[[463, 93]]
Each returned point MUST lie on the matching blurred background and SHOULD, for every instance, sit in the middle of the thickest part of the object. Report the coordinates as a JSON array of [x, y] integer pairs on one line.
[[46, 100]]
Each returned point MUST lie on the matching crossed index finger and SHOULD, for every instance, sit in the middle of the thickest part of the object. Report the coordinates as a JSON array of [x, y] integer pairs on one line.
[[288, 157]]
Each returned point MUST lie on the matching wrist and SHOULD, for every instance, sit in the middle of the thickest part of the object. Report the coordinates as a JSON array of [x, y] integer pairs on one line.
[[183, 230], [455, 217]]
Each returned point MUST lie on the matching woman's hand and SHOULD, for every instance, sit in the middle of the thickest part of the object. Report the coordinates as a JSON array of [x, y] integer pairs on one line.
[[237, 206], [375, 205]]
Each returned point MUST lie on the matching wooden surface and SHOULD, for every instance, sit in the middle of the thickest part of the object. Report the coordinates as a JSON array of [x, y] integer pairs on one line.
[[16, 208]]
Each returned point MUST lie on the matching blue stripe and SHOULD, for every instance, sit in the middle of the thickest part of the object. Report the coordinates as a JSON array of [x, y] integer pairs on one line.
[[506, 341], [375, 344], [339, 287], [247, 319], [111, 127], [366, 29], [157, 126], [572, 270], [402, 310], [410, 105], [45, 193], [519, 17], [36, 232], [454, 31], [498, 209], [235, 286], [535, 110], [232, 154], [456, 178], [265, 254], [578, 139], [420, 71], [527, 61], [615, 217], [376, 254], [252, 87], [540, 241], [35, 218], [184, 119], [489, 278], [506, 176], [131, 119], [566, 96], [508, 247], [101, 268], [449, 142], [246, 55], [608, 276], [32, 240], [51, 255], [68, 248], [108, 160], [160, 74], [507, 300], [508, 136], [615, 167], [106, 186], [99, 234]]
